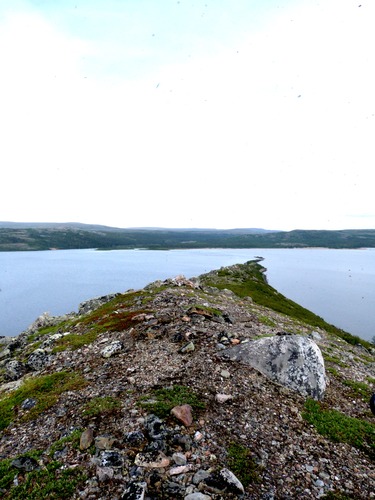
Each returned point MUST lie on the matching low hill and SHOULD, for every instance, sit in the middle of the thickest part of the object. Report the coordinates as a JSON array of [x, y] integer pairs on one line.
[[75, 236], [137, 397]]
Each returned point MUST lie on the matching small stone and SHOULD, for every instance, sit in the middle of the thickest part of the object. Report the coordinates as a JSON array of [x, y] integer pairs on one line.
[[190, 347], [26, 464], [38, 359], [104, 474], [134, 437], [135, 491], [183, 414], [111, 458], [155, 427], [235, 341], [197, 496], [112, 349], [86, 440], [15, 369], [225, 373], [149, 461], [319, 483], [28, 403], [225, 480], [223, 398], [179, 458], [200, 476], [104, 442], [181, 469], [198, 436]]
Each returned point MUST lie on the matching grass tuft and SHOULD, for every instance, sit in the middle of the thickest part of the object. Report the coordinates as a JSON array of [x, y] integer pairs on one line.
[[161, 401], [340, 428], [44, 389]]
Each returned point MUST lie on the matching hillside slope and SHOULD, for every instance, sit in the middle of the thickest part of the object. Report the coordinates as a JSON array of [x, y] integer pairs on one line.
[[86, 399], [75, 236]]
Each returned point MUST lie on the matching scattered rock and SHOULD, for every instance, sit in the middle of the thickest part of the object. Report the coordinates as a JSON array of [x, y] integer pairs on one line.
[[113, 348], [38, 359], [183, 413], [28, 403], [26, 464], [14, 369], [86, 440]]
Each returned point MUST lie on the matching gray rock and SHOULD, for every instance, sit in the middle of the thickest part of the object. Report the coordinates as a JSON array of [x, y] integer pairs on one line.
[[197, 496], [234, 484], [111, 458], [15, 369], [112, 349], [155, 427], [26, 464], [200, 476], [28, 403], [224, 481], [135, 491], [293, 361], [38, 359]]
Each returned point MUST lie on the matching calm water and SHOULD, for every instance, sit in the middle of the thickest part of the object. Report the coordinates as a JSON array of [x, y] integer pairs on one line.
[[339, 285]]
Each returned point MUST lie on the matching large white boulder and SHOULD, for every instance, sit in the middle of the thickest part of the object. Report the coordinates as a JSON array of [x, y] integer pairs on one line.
[[293, 361]]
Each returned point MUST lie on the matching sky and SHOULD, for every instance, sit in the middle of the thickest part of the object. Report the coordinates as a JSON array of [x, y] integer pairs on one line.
[[212, 113]]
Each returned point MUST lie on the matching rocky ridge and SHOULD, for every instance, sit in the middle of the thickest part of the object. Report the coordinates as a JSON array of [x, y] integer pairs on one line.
[[145, 402]]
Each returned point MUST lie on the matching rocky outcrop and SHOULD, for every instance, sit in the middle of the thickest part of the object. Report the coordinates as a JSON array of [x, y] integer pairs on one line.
[[182, 390], [293, 361]]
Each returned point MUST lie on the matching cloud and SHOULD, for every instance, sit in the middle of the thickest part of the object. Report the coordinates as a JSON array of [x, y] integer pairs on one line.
[[273, 127]]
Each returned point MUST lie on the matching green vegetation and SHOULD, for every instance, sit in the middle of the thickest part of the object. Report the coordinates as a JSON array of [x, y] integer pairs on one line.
[[333, 359], [44, 389], [59, 445], [74, 341], [110, 317], [50, 330], [341, 428], [358, 388], [101, 406], [51, 481], [161, 401], [265, 320], [248, 280], [241, 463]]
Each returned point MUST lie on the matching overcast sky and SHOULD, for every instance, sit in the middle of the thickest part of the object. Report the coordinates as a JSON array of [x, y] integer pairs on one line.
[[212, 113]]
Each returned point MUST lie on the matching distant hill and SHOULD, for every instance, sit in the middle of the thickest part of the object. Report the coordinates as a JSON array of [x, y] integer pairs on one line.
[[45, 236]]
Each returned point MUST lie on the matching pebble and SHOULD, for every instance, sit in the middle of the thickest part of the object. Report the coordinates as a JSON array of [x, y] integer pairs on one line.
[[86, 439], [183, 413]]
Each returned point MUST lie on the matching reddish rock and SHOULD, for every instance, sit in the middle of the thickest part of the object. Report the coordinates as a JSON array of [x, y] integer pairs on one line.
[[183, 414]]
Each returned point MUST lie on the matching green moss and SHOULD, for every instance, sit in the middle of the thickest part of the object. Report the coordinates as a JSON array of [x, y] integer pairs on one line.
[[50, 330], [266, 320], [73, 438], [161, 401], [51, 481], [44, 389], [75, 341], [333, 371], [205, 310], [241, 463], [333, 359], [340, 428], [101, 406], [358, 388]]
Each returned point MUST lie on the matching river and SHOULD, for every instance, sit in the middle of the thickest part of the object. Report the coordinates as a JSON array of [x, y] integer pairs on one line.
[[338, 285]]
